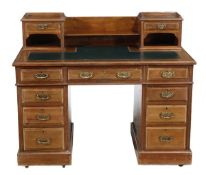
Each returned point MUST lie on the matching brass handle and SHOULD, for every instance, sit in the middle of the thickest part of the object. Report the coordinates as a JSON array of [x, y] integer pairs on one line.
[[123, 75], [42, 26], [42, 117], [86, 75], [166, 115], [167, 94], [43, 141], [42, 97], [167, 74], [41, 76], [166, 139], [161, 26]]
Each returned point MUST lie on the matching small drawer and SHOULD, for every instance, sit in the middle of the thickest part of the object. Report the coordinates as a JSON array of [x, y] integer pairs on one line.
[[45, 115], [161, 26], [170, 138], [42, 95], [43, 139], [167, 94], [42, 27], [41, 75], [167, 74], [166, 113], [114, 74]]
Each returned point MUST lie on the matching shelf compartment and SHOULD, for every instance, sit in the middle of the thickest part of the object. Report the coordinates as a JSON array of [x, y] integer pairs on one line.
[[161, 39], [43, 40]]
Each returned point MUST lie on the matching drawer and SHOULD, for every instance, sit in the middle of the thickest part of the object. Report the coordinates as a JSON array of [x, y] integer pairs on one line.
[[167, 74], [42, 27], [114, 74], [45, 115], [161, 26], [43, 139], [42, 95], [166, 113], [171, 138], [167, 94], [41, 75]]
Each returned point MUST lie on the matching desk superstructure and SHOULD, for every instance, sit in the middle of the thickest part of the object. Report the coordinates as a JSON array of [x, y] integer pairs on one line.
[[146, 50]]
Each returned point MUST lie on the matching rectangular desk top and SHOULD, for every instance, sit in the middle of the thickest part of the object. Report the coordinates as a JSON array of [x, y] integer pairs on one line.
[[102, 55]]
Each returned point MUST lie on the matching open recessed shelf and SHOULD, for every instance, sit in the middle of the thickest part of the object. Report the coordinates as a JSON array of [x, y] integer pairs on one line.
[[161, 39], [101, 40], [43, 40]]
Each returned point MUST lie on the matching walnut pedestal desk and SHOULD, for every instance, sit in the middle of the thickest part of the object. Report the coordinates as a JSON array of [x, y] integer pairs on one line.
[[145, 51]]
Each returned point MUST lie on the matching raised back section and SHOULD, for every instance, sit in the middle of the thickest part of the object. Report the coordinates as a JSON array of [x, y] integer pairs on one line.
[[149, 30], [100, 31]]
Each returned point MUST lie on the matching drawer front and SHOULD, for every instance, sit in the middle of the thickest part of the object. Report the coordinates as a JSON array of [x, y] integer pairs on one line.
[[115, 74], [45, 115], [42, 95], [166, 113], [167, 74], [43, 27], [158, 138], [167, 94], [43, 139], [161, 26], [41, 75]]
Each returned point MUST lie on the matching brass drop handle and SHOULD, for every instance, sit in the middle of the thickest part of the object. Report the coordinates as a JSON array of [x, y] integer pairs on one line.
[[42, 97], [43, 117], [43, 141], [42, 26], [123, 75], [41, 76], [167, 94], [167, 74], [166, 139], [161, 26], [86, 75], [166, 115]]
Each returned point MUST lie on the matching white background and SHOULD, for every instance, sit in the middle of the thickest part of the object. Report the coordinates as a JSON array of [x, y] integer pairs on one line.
[[102, 114]]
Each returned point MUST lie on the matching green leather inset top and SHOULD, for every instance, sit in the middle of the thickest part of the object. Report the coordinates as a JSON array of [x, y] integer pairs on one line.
[[102, 53]]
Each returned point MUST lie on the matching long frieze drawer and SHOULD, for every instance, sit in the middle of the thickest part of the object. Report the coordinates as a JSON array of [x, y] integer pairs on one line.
[[42, 95], [116, 74], [170, 138], [167, 74], [161, 26], [166, 113], [43, 115], [42, 27], [41, 75], [43, 139], [167, 94]]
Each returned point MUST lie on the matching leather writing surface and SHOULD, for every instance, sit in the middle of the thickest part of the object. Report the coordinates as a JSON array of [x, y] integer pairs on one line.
[[102, 53]]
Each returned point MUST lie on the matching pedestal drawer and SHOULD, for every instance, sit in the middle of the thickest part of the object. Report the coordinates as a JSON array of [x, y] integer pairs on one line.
[[170, 138], [167, 93], [42, 95], [43, 139], [41, 75], [43, 115], [166, 113], [167, 74]]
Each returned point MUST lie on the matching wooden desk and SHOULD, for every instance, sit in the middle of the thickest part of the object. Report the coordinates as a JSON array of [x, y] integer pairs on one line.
[[60, 51]]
